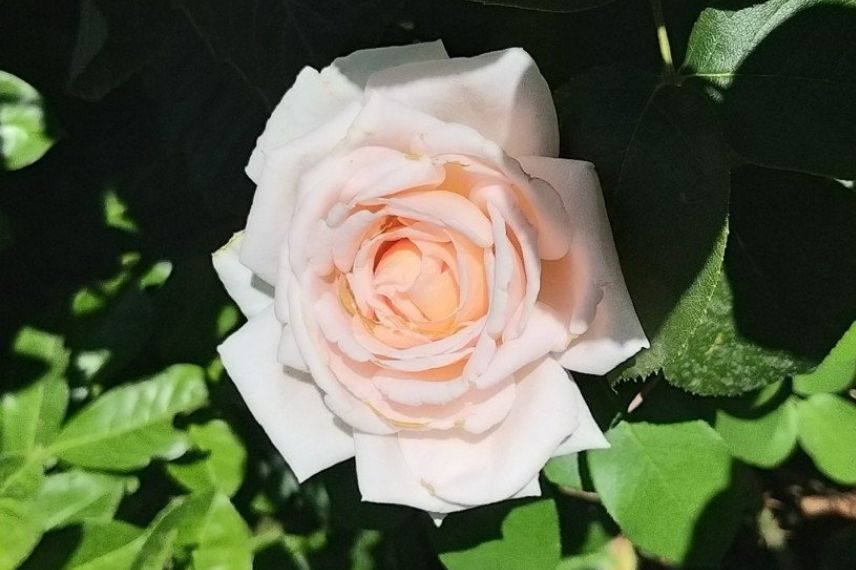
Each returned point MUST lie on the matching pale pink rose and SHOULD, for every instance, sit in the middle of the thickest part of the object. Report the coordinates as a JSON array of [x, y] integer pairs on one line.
[[418, 271]]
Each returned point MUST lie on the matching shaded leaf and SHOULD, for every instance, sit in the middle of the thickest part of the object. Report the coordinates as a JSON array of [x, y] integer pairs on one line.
[[547, 5], [719, 360], [665, 177], [115, 39], [784, 72]]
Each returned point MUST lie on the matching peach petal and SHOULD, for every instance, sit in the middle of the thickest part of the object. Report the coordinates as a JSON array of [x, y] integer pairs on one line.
[[544, 333], [445, 210], [615, 333]]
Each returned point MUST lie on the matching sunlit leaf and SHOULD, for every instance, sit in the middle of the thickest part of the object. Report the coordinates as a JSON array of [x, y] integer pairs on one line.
[[31, 415], [668, 485], [836, 372], [501, 536], [24, 132], [127, 426], [827, 433], [224, 464], [76, 496]]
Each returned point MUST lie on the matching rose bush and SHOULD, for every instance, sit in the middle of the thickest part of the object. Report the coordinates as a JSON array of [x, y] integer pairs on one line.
[[418, 269]]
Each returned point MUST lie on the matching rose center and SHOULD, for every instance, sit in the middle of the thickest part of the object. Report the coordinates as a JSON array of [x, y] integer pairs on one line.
[[416, 283]]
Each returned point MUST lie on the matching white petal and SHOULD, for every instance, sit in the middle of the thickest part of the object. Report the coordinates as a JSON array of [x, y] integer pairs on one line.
[[384, 477], [500, 94], [532, 489], [288, 353], [250, 293], [317, 97], [275, 197], [615, 333], [289, 407], [469, 469], [587, 435]]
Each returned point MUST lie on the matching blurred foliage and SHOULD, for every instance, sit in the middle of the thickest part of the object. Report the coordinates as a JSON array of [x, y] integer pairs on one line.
[[725, 155]]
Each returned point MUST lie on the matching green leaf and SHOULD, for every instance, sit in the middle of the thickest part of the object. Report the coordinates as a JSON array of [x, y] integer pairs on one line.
[[161, 536], [24, 131], [76, 496], [564, 471], [665, 176], [782, 304], [614, 555], [31, 416], [769, 68], [19, 530], [529, 537], [719, 361], [670, 342], [760, 434], [547, 5], [672, 488], [114, 40], [127, 426], [19, 522], [109, 545], [20, 475], [827, 433], [215, 532], [222, 469], [836, 372]]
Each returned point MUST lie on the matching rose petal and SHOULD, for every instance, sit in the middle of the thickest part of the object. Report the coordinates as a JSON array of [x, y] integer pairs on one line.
[[386, 122], [615, 333], [250, 293], [500, 94], [273, 204], [587, 435], [288, 353], [317, 97], [474, 470], [312, 348], [384, 477], [288, 407], [544, 333], [444, 209]]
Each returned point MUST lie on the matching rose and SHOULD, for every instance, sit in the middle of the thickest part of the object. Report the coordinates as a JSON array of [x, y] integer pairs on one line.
[[417, 269]]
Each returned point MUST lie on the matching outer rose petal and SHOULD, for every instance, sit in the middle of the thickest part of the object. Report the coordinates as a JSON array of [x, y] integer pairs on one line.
[[587, 435], [316, 97], [289, 407], [275, 197], [251, 294], [500, 94], [460, 468], [615, 333]]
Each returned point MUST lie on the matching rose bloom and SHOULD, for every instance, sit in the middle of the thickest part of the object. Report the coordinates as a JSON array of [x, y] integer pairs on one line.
[[418, 270]]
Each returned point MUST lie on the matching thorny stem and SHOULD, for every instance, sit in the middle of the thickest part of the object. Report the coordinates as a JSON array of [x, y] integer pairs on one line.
[[663, 40]]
